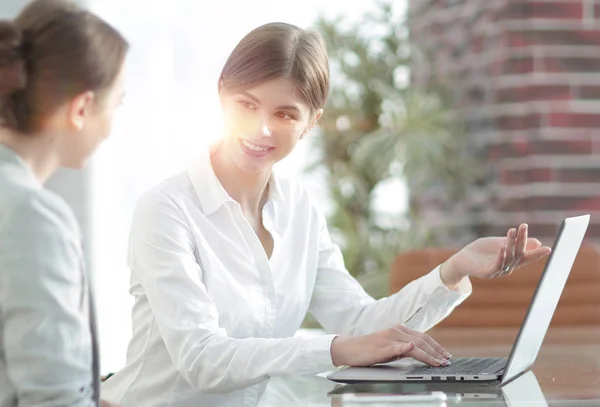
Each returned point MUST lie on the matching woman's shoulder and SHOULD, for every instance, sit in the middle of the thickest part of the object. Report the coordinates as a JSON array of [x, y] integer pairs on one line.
[[39, 212], [166, 193], [40, 239], [296, 193]]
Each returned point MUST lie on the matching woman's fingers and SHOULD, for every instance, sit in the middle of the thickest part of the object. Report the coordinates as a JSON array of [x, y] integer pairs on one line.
[[421, 341], [511, 243], [520, 244], [422, 356], [534, 255], [432, 343], [500, 263]]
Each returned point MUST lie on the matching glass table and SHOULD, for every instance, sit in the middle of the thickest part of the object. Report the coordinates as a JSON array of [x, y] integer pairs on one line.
[[566, 373]]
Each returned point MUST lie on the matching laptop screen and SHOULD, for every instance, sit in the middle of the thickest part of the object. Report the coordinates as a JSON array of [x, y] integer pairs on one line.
[[546, 297]]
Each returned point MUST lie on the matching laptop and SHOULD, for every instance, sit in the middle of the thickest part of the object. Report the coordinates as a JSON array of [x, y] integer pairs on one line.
[[526, 346], [523, 390]]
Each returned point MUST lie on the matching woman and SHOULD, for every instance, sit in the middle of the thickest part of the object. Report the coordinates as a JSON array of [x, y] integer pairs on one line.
[[227, 258], [61, 81]]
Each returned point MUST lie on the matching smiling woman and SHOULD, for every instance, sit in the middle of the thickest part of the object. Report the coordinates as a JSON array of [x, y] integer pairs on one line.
[[228, 257], [180, 49]]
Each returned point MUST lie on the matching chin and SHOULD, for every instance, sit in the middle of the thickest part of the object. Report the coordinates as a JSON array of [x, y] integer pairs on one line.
[[75, 164]]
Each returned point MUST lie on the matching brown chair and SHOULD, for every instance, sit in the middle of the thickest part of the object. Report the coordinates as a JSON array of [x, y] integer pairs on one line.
[[503, 302]]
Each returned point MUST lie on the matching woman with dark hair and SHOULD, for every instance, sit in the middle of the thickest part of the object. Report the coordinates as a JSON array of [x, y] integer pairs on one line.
[[227, 258], [61, 80]]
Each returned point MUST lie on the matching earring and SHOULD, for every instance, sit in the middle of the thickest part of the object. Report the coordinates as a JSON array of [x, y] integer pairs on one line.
[[306, 133]]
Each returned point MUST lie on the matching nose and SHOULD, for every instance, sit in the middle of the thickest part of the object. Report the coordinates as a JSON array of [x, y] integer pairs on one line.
[[265, 129]]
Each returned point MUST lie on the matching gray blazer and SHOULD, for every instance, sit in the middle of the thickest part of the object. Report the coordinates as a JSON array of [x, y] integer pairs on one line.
[[46, 350]]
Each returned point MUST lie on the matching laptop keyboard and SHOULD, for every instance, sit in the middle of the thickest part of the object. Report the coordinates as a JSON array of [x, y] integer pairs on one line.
[[467, 366]]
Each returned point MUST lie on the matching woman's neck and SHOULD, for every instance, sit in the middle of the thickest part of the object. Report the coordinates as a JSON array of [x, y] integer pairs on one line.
[[36, 151], [249, 190]]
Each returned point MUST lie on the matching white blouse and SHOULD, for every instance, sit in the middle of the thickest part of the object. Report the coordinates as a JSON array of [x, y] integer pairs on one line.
[[45, 341], [214, 315]]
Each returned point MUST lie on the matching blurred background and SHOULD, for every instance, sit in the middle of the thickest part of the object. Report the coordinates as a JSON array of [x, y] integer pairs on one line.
[[448, 120]]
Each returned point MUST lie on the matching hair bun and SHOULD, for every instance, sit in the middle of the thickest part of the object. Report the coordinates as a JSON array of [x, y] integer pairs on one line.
[[12, 66]]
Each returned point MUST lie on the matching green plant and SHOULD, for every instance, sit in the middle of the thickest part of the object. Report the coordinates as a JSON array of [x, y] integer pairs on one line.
[[377, 128]]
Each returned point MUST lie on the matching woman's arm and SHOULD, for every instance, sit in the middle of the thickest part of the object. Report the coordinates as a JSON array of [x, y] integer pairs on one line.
[[342, 306]]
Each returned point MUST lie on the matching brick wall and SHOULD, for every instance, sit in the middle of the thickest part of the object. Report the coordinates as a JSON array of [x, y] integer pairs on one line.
[[525, 76]]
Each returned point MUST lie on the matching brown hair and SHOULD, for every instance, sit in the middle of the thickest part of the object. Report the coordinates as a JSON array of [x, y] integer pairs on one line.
[[280, 50], [51, 52]]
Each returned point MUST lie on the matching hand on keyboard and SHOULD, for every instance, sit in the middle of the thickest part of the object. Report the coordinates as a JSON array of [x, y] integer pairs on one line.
[[386, 346]]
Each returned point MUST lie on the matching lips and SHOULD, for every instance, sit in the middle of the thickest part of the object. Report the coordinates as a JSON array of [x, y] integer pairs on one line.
[[255, 150]]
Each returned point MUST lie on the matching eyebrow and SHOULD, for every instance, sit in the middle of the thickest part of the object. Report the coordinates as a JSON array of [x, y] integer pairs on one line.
[[255, 100]]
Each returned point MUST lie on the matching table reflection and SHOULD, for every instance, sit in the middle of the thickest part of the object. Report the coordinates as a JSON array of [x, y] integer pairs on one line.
[[317, 391]]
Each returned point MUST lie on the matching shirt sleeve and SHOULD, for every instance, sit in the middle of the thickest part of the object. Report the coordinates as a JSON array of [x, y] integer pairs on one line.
[[162, 257], [45, 334], [342, 306]]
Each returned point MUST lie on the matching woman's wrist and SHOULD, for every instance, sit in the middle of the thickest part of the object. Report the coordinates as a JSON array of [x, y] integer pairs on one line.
[[450, 276], [337, 354]]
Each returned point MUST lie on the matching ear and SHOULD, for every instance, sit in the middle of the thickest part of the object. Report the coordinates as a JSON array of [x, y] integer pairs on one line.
[[80, 109], [318, 115], [316, 118]]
